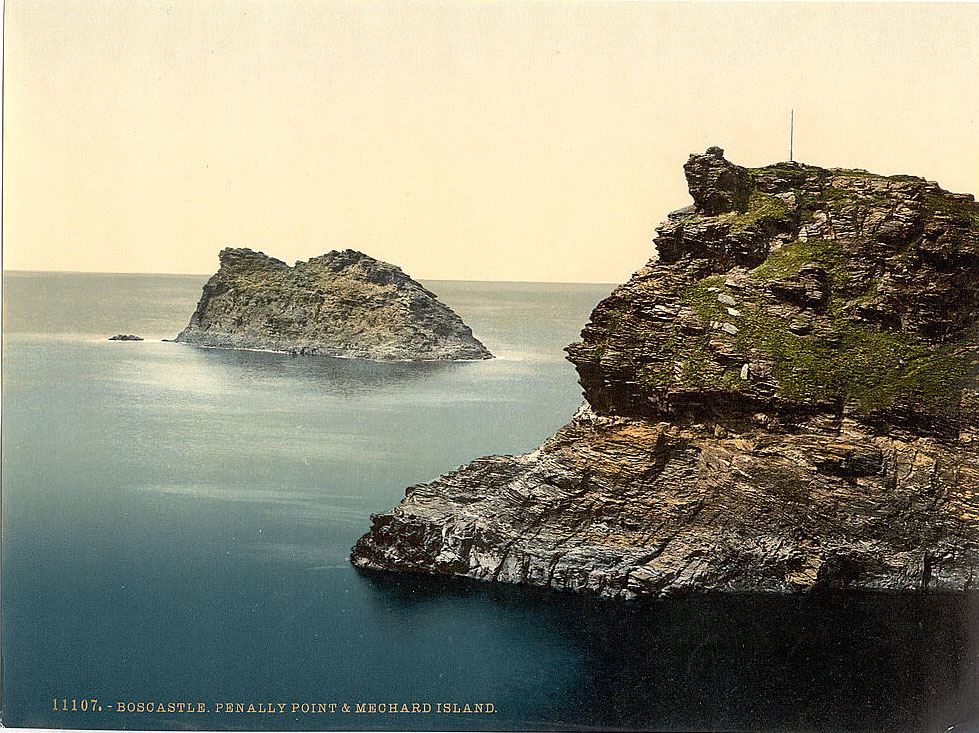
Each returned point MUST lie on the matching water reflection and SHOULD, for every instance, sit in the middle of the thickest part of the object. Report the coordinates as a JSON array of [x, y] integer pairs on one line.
[[336, 376], [747, 662]]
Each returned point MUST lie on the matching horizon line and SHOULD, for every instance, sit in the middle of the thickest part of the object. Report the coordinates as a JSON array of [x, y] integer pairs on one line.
[[206, 275]]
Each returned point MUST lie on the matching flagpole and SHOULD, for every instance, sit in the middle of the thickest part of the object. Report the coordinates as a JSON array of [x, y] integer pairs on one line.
[[791, 135]]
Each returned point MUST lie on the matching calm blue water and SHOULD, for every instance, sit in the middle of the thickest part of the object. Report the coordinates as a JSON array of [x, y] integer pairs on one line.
[[177, 523]]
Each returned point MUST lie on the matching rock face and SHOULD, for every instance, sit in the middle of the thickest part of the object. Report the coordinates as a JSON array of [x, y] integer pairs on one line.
[[342, 304], [785, 400]]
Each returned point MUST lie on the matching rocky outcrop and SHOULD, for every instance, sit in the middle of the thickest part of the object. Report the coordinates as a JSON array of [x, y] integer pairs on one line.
[[342, 304], [125, 337], [784, 400]]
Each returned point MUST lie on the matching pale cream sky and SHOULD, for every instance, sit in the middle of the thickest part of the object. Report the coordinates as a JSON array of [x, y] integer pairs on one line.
[[492, 141]]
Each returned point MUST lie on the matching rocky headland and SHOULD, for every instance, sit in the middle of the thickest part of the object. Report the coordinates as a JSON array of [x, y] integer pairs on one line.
[[341, 304], [784, 400]]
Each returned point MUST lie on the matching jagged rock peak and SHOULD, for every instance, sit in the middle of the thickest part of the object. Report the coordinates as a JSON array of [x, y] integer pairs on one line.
[[238, 256], [717, 185], [353, 263], [344, 304]]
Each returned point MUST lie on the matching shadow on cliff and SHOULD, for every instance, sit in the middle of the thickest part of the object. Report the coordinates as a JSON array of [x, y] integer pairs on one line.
[[824, 662], [338, 376]]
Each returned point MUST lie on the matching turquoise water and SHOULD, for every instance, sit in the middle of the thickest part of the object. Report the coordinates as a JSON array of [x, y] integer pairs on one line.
[[177, 523]]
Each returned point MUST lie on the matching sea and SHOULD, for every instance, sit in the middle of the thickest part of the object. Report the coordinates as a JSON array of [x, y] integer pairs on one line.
[[177, 523]]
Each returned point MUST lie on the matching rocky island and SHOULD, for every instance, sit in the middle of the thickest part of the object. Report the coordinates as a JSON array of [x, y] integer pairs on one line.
[[784, 400], [341, 304]]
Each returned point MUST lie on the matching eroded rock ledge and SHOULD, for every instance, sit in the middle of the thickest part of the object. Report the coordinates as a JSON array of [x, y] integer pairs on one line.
[[784, 400], [342, 304]]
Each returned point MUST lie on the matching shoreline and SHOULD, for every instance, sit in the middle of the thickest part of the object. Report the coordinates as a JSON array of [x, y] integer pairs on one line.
[[329, 356]]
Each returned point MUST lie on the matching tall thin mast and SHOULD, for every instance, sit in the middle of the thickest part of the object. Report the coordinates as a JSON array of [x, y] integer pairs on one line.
[[791, 134]]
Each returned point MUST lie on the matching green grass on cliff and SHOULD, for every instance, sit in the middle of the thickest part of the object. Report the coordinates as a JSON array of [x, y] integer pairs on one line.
[[962, 212], [691, 362], [788, 259], [853, 363], [761, 206], [690, 359], [839, 362]]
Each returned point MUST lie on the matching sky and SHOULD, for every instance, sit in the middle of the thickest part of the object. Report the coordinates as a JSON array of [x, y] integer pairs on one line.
[[459, 140]]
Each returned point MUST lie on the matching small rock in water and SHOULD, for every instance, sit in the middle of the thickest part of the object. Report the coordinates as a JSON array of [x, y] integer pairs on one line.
[[125, 337]]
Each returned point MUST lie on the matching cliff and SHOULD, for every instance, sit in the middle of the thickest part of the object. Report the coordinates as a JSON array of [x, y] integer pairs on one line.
[[342, 304], [784, 400]]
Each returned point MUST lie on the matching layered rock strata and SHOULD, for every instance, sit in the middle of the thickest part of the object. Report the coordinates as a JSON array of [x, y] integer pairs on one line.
[[342, 304], [785, 399]]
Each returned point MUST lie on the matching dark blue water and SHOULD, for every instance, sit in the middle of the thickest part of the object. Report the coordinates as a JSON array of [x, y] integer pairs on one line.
[[177, 523]]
